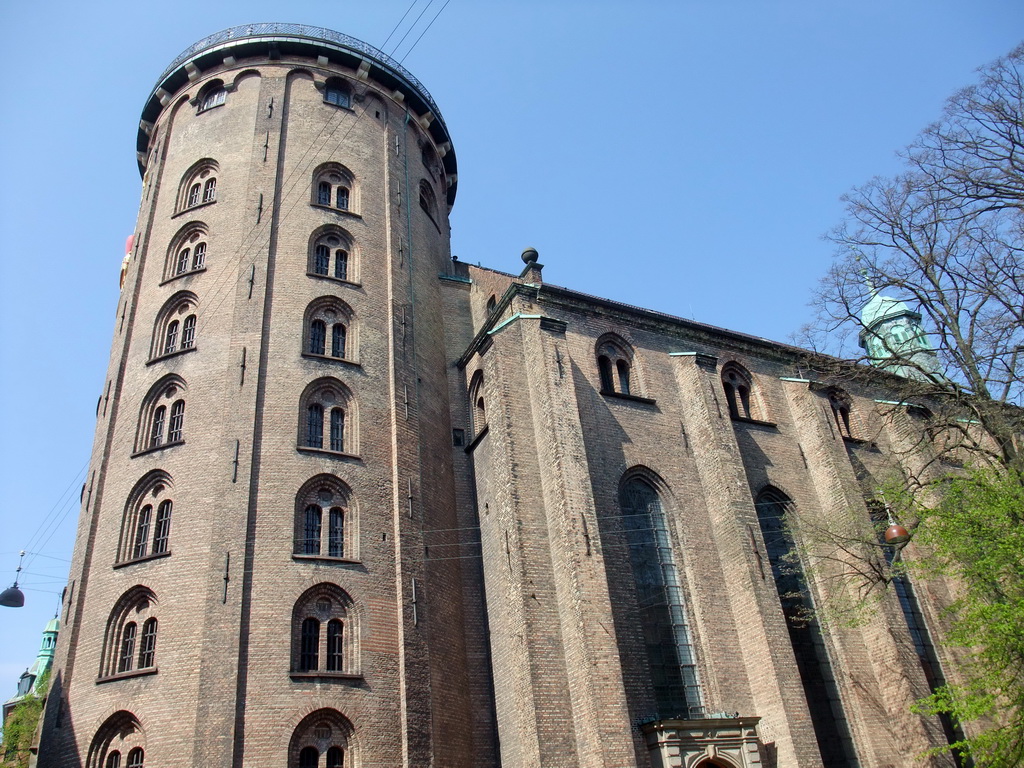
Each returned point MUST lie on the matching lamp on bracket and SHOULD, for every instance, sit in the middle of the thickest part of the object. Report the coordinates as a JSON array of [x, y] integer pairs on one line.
[[12, 597]]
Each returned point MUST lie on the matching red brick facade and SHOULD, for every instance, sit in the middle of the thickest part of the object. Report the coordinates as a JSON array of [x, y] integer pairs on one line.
[[408, 547]]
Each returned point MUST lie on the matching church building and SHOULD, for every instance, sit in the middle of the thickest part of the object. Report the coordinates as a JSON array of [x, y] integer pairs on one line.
[[354, 503]]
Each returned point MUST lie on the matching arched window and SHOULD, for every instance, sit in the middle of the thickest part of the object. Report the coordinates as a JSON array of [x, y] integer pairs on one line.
[[334, 187], [324, 632], [177, 422], [337, 93], [477, 404], [738, 385], [827, 715], [329, 312], [175, 327], [317, 337], [198, 185], [325, 520], [840, 402], [337, 429], [338, 336], [428, 200], [213, 94], [324, 733], [314, 425], [615, 365], [130, 641], [328, 417], [162, 417], [120, 734], [187, 252], [917, 626], [330, 256], [146, 525], [660, 601], [188, 332]]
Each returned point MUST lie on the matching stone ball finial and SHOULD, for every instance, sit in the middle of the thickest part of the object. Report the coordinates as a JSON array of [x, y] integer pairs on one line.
[[530, 256]]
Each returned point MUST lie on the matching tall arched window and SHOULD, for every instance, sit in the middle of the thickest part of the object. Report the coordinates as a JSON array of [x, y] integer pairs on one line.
[[738, 385], [324, 633], [477, 404], [198, 185], [324, 739], [329, 329], [146, 525], [325, 522], [162, 417], [820, 688], [328, 417], [334, 187], [331, 256], [840, 403], [338, 337], [120, 735], [317, 337], [175, 327], [314, 425], [615, 365], [337, 429], [187, 251], [130, 640], [917, 626], [660, 601], [428, 200]]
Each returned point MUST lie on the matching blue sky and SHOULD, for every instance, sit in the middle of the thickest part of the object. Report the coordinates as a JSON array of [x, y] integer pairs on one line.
[[679, 155]]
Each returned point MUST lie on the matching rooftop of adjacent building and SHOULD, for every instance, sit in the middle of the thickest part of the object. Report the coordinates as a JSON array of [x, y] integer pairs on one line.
[[274, 40]]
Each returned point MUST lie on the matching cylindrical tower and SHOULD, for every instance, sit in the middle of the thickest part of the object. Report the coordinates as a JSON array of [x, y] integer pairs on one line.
[[248, 585]]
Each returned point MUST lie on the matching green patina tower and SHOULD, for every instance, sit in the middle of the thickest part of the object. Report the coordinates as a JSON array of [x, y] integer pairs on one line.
[[32, 675], [894, 339]]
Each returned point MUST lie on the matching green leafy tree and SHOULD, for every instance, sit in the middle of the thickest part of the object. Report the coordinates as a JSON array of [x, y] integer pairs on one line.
[[20, 727], [975, 535]]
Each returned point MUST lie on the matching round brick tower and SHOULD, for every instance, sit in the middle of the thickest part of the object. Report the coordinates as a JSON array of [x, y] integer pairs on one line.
[[248, 585]]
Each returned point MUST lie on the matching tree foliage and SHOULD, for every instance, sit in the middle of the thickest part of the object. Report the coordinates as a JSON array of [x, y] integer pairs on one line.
[[974, 534], [20, 727], [946, 237]]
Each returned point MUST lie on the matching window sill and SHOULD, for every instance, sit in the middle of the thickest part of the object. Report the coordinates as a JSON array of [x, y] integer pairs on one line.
[[333, 209], [191, 208], [186, 273], [143, 559], [318, 675], [331, 359], [156, 448], [341, 280], [632, 398], [754, 422], [127, 675], [475, 441], [326, 452], [169, 355], [325, 559]]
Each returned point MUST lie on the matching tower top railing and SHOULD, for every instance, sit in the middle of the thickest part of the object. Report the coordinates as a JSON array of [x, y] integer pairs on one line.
[[275, 29]]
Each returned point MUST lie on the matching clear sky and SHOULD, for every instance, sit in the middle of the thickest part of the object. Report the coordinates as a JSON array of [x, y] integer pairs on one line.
[[681, 155]]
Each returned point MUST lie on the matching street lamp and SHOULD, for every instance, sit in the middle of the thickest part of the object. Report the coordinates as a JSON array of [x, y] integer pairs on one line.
[[12, 597]]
